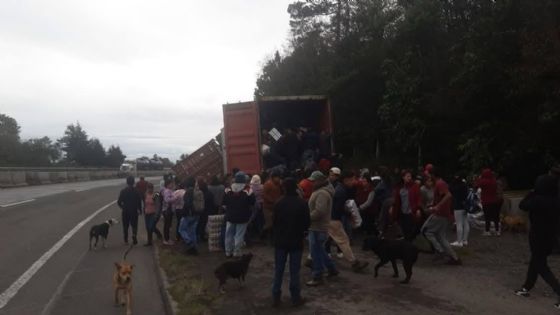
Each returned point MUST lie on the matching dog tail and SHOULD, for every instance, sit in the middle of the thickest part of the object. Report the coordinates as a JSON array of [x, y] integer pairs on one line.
[[127, 251]]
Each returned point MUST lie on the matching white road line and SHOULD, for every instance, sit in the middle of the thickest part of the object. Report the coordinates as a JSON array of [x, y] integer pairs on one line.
[[7, 295], [47, 310], [17, 203]]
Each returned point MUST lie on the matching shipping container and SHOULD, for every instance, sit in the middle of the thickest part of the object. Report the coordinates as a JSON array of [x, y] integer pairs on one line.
[[207, 161], [244, 123]]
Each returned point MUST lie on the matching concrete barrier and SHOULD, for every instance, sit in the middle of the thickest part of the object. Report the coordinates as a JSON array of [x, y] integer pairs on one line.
[[44, 177], [32, 178], [82, 176], [58, 177], [21, 176], [18, 178], [5, 179], [10, 178]]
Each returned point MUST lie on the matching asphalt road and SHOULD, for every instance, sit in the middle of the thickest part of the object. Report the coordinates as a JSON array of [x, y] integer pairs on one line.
[[45, 265]]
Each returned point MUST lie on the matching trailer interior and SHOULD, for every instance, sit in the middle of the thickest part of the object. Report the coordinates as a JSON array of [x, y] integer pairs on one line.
[[295, 112]]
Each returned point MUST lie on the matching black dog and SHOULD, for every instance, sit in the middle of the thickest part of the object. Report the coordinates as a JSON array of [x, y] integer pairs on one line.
[[236, 269], [390, 251], [100, 230]]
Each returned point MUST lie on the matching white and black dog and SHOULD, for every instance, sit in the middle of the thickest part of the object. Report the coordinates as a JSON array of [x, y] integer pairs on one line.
[[100, 230]]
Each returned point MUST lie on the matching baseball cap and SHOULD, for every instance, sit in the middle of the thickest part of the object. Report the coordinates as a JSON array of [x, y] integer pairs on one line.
[[336, 170], [316, 176]]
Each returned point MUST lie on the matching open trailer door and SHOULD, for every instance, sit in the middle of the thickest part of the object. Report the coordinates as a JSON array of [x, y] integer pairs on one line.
[[241, 136]]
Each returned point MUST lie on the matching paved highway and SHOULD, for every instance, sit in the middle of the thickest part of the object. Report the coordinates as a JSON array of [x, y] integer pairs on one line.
[[45, 265]]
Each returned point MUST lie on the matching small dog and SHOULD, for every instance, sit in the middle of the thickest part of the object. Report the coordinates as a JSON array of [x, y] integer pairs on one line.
[[122, 282], [391, 250], [236, 269], [514, 224], [101, 230]]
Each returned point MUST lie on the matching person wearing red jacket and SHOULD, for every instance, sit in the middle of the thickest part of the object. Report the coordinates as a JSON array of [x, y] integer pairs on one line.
[[435, 227], [490, 201], [306, 186], [407, 207]]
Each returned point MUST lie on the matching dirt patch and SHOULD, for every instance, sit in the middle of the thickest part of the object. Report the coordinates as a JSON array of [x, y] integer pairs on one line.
[[493, 268]]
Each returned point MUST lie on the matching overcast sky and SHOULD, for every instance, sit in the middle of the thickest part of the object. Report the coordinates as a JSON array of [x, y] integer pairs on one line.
[[150, 76]]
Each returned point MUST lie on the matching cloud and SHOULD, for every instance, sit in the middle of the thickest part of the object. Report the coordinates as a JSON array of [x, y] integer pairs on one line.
[[150, 76]]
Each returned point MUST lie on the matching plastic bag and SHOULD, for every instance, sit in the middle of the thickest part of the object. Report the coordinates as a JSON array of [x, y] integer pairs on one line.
[[354, 211]]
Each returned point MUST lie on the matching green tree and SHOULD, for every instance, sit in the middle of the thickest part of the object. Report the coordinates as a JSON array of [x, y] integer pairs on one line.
[[80, 149], [95, 154], [9, 140], [463, 84], [114, 156], [75, 143], [39, 152]]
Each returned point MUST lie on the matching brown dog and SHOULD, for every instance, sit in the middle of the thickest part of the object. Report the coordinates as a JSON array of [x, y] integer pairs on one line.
[[122, 282], [516, 224]]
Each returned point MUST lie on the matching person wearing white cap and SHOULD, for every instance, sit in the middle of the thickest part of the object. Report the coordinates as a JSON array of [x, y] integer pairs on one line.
[[334, 175]]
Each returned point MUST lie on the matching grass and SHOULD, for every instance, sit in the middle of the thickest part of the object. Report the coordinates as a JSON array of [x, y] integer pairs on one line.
[[187, 285]]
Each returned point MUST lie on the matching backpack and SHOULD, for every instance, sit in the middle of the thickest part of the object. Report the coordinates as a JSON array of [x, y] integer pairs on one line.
[[471, 203], [198, 200], [158, 200]]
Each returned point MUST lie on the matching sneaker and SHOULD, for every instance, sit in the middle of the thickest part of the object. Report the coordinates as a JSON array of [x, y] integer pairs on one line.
[[465, 243], [498, 233], [486, 233], [165, 243], [308, 263], [358, 266], [339, 255], [314, 282], [134, 240], [522, 292], [333, 273], [557, 306], [454, 262], [299, 302], [456, 244]]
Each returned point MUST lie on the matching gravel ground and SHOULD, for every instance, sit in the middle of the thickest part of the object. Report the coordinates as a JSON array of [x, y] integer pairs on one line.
[[492, 268]]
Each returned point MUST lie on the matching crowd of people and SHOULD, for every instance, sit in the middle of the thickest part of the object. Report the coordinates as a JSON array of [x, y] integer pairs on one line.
[[327, 208]]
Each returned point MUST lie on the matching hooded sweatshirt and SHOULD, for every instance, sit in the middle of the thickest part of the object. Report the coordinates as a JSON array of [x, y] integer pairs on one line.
[[306, 186], [290, 222], [238, 204], [414, 200], [272, 192], [320, 206], [487, 183]]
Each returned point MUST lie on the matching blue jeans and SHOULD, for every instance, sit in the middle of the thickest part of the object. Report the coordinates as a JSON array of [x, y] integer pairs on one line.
[[235, 237], [187, 229], [280, 258], [151, 221], [319, 255]]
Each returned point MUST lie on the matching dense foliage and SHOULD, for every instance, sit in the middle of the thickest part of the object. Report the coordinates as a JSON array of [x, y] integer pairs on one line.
[[464, 84], [78, 148]]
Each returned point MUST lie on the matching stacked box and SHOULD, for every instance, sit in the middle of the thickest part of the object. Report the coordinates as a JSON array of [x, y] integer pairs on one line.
[[214, 227]]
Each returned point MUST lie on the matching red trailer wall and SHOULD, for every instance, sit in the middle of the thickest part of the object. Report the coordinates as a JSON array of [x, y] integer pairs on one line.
[[241, 133]]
